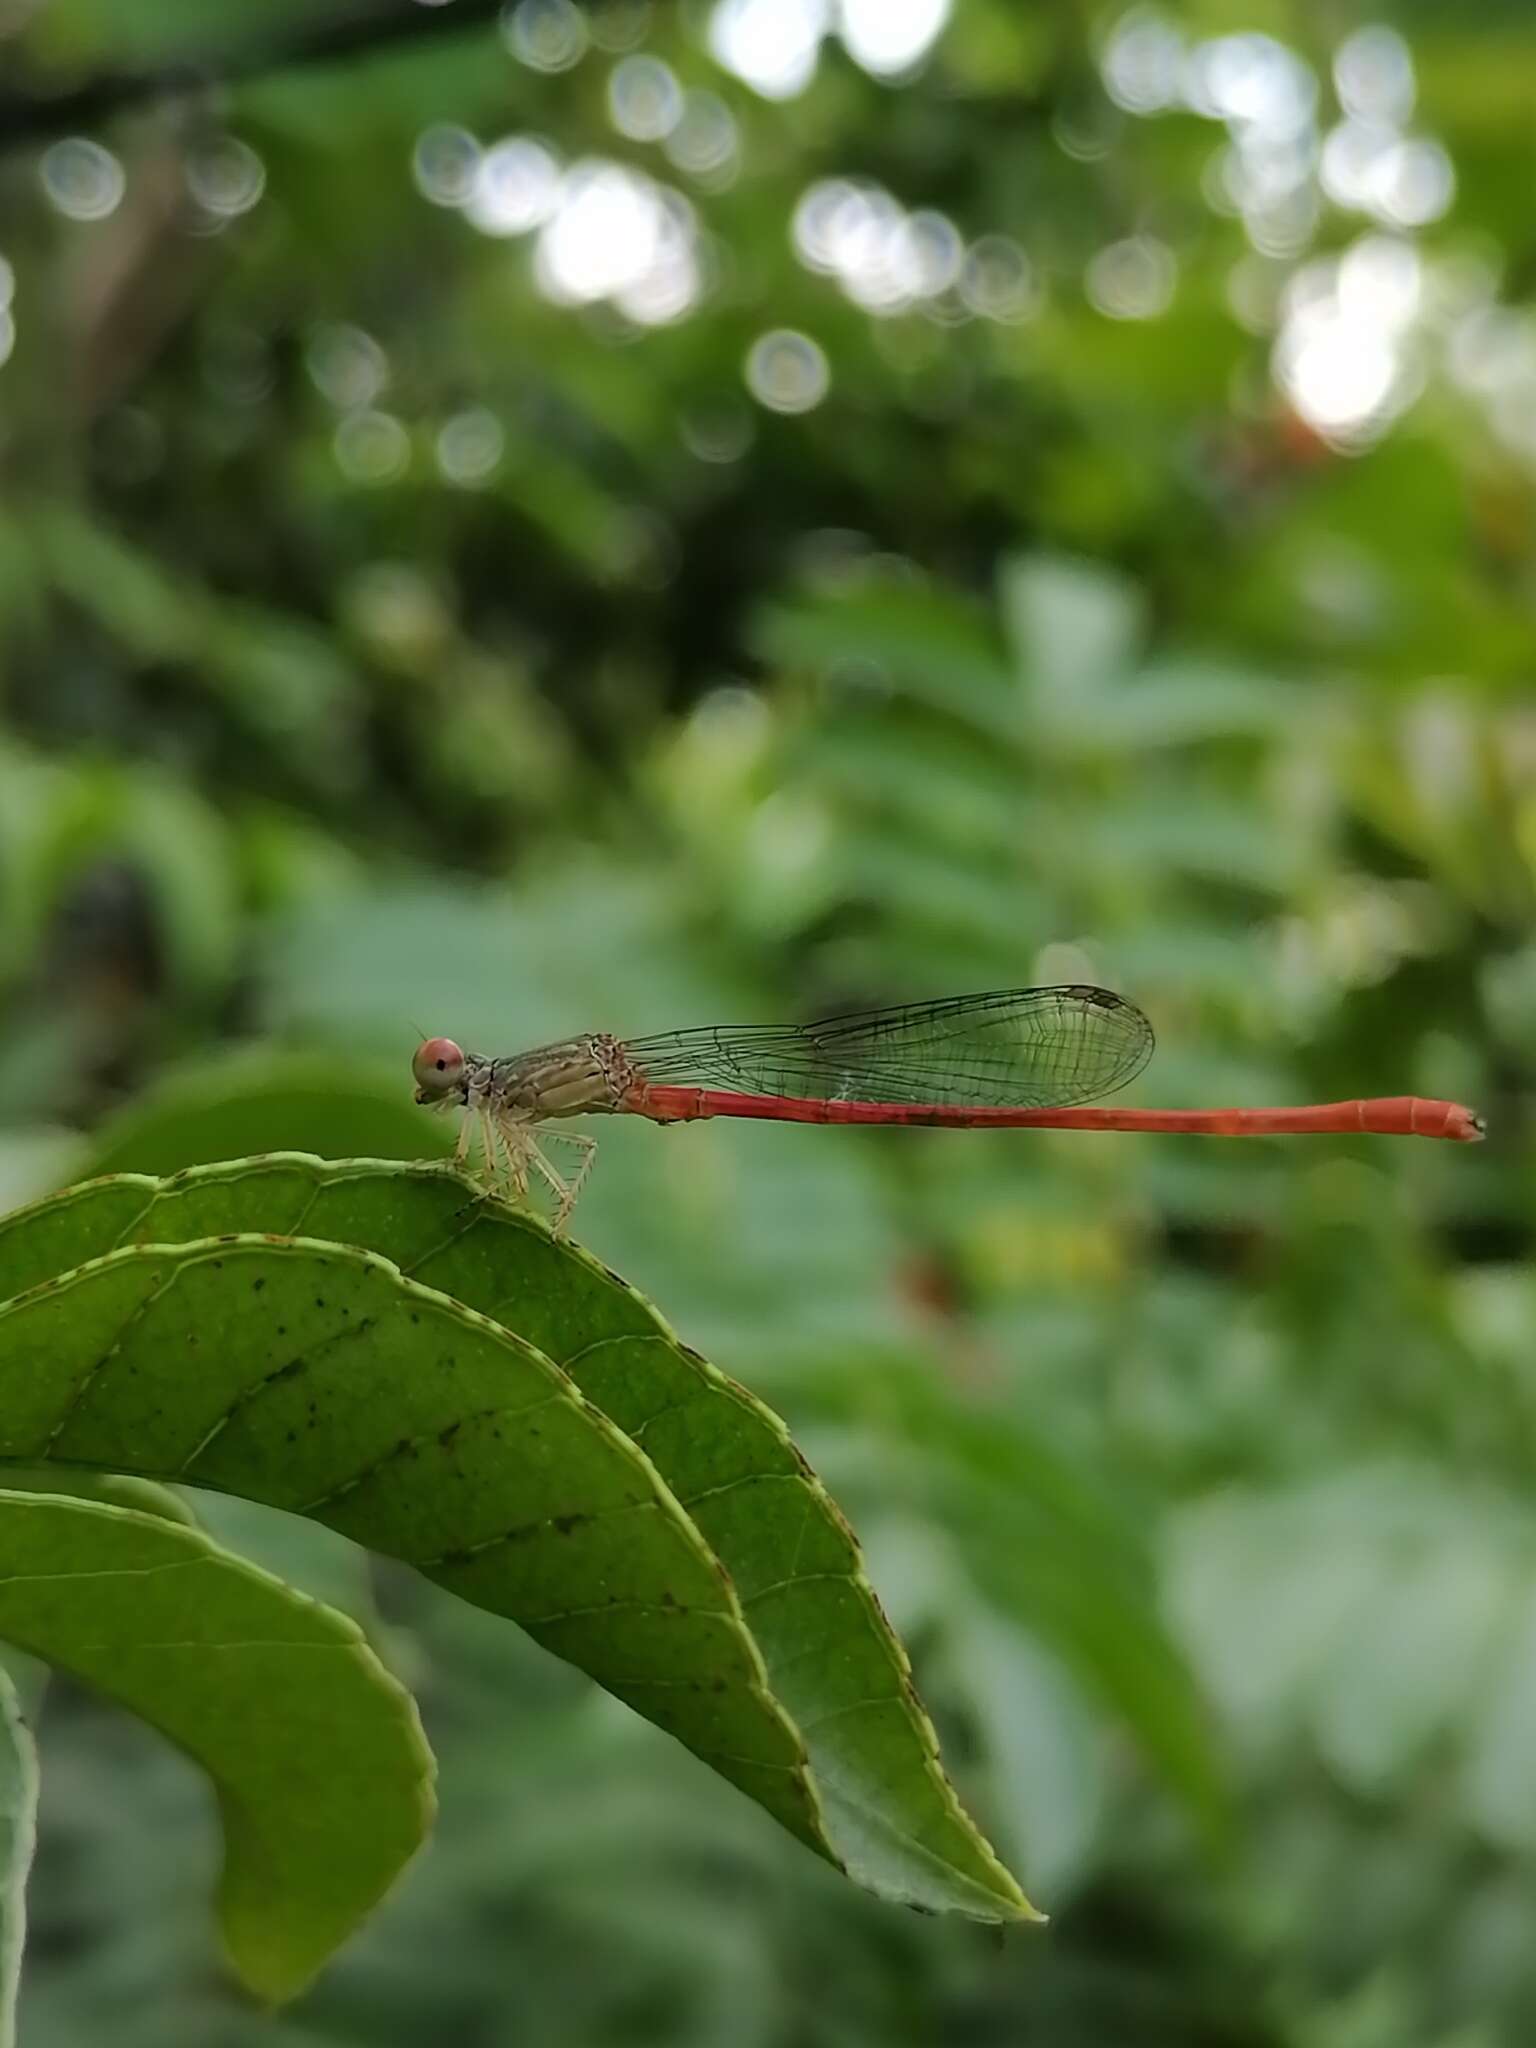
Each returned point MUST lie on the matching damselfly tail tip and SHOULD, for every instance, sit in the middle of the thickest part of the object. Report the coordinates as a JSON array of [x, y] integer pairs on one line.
[[1466, 1125]]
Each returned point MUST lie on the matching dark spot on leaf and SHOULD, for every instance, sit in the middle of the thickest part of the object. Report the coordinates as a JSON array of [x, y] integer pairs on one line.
[[564, 1524], [282, 1329], [293, 1436], [319, 1301], [446, 1436], [258, 1283]]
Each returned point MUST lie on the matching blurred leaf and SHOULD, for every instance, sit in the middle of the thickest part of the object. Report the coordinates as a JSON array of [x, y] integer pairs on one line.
[[18, 1838], [323, 1776], [115, 1489], [271, 1101], [494, 967], [278, 676], [174, 844], [1501, 1772], [1073, 626], [1048, 1551], [1175, 702], [1048, 1765], [1408, 1674], [920, 643], [1381, 1609]]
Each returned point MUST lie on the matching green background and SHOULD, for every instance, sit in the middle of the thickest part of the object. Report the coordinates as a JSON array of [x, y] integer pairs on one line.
[[388, 646]]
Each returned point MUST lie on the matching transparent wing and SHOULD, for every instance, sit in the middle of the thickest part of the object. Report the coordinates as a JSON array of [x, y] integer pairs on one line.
[[1032, 1048]]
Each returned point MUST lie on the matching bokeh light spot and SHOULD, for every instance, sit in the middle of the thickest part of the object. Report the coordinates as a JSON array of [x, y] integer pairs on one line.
[[546, 35], [997, 280], [346, 365], [617, 235], [1373, 75], [83, 180], [885, 259], [619, 25], [891, 37], [1342, 355], [1380, 279], [787, 371], [704, 143], [1133, 279], [1339, 374], [928, 253], [445, 164], [1143, 63], [372, 447], [1251, 81], [226, 177], [720, 431], [1418, 183], [771, 45], [645, 101], [516, 189], [470, 446]]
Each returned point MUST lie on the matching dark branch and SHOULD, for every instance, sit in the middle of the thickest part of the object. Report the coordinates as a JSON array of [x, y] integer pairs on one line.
[[29, 118]]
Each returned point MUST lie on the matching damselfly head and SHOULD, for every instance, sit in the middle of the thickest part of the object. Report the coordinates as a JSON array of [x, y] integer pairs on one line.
[[438, 1065]]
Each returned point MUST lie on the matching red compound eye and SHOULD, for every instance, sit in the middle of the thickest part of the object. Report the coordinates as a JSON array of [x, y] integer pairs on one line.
[[438, 1066]]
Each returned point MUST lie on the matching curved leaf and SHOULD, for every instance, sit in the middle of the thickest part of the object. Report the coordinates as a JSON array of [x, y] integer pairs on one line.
[[324, 1778], [869, 1791], [234, 1105], [315, 1378], [18, 1838], [117, 1489]]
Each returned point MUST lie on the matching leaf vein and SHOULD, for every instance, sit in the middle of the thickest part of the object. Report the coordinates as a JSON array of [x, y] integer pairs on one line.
[[72, 1406], [301, 1360], [521, 1529], [407, 1444]]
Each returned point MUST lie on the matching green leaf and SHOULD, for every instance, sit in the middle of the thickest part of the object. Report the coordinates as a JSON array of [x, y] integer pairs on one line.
[[324, 1778], [18, 1838], [117, 1489], [928, 649], [1385, 1611], [1051, 1554], [229, 1106], [1500, 1787], [1073, 625], [666, 1535], [1048, 1753]]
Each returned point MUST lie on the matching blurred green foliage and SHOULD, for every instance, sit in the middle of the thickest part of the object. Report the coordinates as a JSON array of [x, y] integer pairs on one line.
[[388, 647]]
